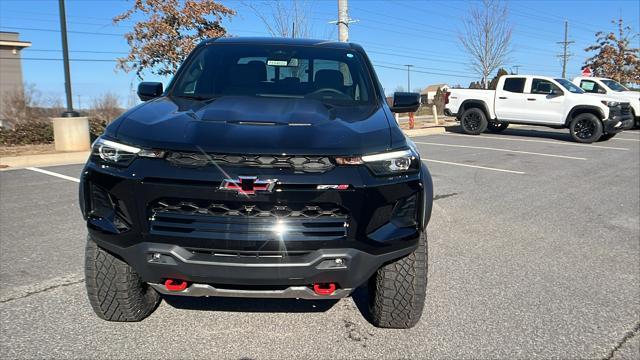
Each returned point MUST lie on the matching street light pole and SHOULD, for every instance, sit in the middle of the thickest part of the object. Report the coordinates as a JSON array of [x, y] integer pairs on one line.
[[408, 77], [65, 59]]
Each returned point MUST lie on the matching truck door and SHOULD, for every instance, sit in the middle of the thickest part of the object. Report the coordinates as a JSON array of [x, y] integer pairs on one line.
[[510, 100], [545, 102]]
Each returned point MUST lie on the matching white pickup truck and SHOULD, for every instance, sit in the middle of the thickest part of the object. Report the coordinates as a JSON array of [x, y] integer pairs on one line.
[[613, 89], [539, 100]]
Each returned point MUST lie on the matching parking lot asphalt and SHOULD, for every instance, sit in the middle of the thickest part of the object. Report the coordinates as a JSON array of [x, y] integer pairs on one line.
[[534, 252]]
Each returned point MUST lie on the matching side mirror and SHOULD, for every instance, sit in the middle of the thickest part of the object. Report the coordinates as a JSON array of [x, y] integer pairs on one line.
[[556, 92], [404, 102], [149, 90]]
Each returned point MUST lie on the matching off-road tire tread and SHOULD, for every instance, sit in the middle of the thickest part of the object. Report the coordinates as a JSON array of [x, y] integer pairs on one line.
[[398, 290], [115, 290], [597, 134], [483, 121]]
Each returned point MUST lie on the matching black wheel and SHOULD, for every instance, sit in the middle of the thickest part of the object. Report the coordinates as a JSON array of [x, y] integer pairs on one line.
[[606, 137], [585, 128], [497, 127], [473, 121], [397, 290], [115, 290]]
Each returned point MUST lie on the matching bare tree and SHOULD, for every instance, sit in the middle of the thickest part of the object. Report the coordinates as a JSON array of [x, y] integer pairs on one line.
[[487, 37], [284, 18], [106, 107], [19, 105]]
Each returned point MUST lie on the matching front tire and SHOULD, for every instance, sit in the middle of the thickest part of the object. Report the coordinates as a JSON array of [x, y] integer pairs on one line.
[[115, 290], [585, 128], [497, 127], [397, 290], [473, 121]]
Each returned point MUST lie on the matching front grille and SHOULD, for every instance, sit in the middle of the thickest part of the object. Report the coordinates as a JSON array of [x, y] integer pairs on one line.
[[625, 109], [297, 163], [252, 210], [248, 222]]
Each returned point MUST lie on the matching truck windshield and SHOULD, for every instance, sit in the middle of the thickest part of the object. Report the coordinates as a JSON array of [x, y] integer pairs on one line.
[[569, 86], [614, 85], [330, 75]]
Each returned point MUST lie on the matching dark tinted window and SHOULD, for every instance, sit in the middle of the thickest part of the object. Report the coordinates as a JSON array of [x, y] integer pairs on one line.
[[515, 85], [540, 86], [331, 75]]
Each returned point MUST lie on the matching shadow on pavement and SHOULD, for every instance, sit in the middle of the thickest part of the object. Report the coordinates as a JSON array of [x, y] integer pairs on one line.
[[249, 304], [540, 134]]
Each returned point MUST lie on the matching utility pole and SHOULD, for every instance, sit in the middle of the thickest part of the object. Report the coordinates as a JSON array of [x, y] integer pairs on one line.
[[565, 47], [517, 67], [343, 21], [409, 77], [65, 59]]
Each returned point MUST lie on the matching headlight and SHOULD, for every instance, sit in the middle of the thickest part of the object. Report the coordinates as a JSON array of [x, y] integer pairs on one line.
[[610, 103], [120, 154], [385, 164]]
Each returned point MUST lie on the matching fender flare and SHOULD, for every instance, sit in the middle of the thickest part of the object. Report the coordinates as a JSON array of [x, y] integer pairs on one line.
[[480, 103], [588, 108], [427, 197]]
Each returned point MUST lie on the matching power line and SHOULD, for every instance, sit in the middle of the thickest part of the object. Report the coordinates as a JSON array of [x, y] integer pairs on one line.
[[56, 59], [57, 31]]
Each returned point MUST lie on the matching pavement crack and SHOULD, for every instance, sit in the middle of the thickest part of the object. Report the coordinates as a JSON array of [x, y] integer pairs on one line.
[[22, 292], [628, 336], [444, 196]]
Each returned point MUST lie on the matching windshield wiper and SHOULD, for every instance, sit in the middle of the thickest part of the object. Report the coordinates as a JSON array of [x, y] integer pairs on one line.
[[198, 97]]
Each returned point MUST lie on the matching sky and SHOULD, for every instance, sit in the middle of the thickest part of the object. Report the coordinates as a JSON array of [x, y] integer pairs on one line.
[[393, 33]]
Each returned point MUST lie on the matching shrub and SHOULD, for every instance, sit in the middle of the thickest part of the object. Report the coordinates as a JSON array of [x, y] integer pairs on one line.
[[28, 132]]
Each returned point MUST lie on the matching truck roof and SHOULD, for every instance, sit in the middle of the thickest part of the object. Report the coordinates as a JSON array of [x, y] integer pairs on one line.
[[282, 41], [530, 76], [590, 77]]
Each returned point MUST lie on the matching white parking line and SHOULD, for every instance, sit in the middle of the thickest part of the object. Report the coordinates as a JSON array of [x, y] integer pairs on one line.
[[538, 141], [625, 139], [475, 166], [53, 174], [503, 150]]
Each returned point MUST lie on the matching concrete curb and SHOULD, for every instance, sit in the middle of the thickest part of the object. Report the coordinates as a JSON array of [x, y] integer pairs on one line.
[[426, 131], [67, 158]]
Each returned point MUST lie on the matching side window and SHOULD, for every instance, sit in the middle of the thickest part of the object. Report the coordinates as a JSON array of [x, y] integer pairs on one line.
[[540, 86], [515, 85], [591, 87]]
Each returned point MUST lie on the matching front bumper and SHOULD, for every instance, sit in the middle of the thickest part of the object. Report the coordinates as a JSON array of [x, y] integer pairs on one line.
[[230, 258], [618, 121]]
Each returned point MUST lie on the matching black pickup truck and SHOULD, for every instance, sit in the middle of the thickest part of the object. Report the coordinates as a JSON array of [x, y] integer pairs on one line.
[[268, 168]]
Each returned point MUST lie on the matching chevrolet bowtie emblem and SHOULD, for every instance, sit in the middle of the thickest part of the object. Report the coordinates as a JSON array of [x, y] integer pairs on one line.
[[248, 185]]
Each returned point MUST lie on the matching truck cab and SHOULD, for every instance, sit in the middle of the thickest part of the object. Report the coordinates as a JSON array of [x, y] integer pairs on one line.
[[598, 86], [539, 100]]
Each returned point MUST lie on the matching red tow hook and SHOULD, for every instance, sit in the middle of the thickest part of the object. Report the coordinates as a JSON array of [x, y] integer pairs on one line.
[[175, 285], [324, 289]]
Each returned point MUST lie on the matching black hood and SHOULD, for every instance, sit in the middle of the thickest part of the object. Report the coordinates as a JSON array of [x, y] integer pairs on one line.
[[251, 125]]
